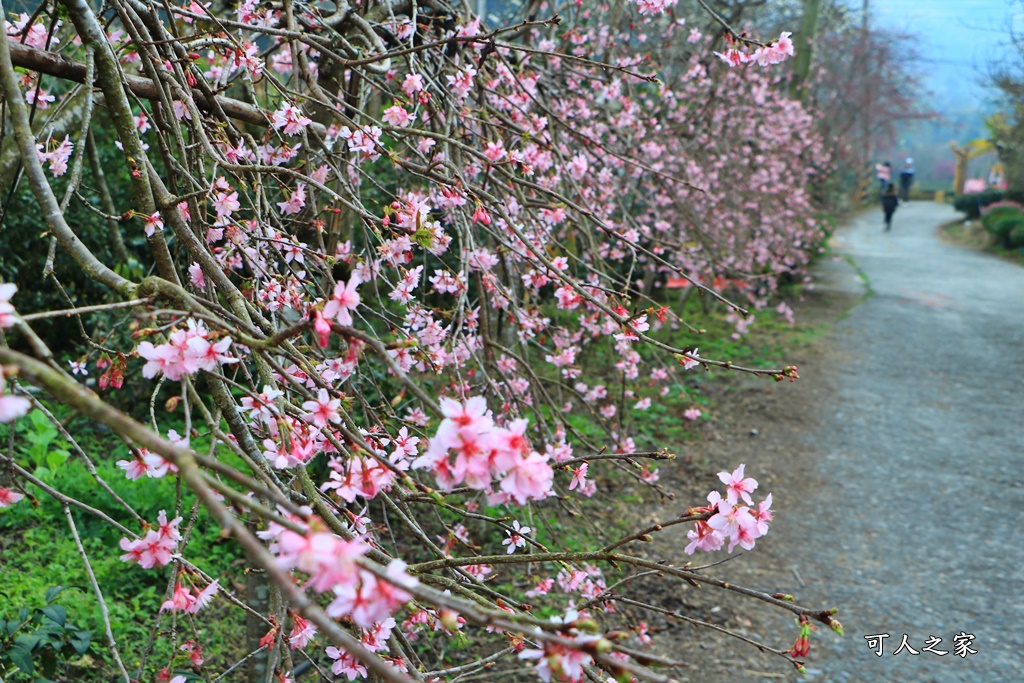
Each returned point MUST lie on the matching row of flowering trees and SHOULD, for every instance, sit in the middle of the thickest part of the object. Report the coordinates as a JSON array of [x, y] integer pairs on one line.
[[381, 245]]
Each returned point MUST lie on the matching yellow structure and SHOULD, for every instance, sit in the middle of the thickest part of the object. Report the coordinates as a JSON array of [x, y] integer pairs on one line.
[[964, 154]]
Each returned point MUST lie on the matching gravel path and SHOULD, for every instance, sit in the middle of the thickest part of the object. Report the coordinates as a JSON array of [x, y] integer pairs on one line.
[[913, 523]]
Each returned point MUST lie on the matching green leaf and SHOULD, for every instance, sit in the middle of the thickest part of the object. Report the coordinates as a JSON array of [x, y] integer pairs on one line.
[[54, 459], [21, 658], [81, 642], [28, 642], [56, 613], [52, 592]]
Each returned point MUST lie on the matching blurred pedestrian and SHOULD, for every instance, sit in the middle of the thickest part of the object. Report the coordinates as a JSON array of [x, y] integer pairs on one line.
[[906, 179], [883, 172], [889, 203]]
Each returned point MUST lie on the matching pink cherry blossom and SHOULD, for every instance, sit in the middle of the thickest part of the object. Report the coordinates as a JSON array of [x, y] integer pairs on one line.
[[322, 411], [327, 559], [225, 203], [344, 300], [689, 360], [295, 202], [651, 7], [529, 479], [397, 116], [9, 497], [462, 82], [733, 57], [763, 514], [156, 547], [345, 664], [289, 119], [37, 35], [148, 464], [11, 407], [153, 223], [58, 158], [579, 477], [40, 98], [738, 487], [302, 633], [516, 537], [412, 84]]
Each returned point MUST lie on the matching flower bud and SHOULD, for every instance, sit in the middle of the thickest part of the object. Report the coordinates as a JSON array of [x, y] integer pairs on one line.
[[449, 619]]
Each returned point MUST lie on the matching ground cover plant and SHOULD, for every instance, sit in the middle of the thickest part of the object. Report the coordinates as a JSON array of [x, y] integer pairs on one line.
[[383, 291]]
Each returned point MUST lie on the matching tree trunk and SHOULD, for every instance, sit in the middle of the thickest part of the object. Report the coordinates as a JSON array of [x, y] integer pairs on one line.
[[804, 48]]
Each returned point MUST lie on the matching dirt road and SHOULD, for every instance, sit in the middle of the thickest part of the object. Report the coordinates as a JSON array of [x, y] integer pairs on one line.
[[902, 480]]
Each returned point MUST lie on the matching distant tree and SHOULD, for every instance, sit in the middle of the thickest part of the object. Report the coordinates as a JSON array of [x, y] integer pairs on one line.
[[864, 86], [1006, 127]]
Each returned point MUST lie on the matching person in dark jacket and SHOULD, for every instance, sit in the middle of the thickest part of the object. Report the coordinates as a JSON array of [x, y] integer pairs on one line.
[[889, 203], [906, 180]]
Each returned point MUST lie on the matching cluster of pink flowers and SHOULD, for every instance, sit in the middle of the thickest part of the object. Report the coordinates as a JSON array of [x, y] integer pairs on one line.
[[653, 7], [358, 477], [146, 464], [560, 662], [326, 558], [290, 120], [184, 600], [186, 352], [36, 34], [303, 632], [739, 524], [57, 158], [156, 548], [469, 448], [333, 566], [766, 55]]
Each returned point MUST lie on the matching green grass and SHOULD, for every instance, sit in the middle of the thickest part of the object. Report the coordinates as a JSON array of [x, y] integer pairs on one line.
[[39, 552]]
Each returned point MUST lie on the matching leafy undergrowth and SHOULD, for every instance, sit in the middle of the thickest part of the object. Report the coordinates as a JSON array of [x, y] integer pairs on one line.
[[38, 552]]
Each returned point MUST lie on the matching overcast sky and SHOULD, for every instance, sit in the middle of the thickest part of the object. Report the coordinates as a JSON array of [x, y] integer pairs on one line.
[[959, 39]]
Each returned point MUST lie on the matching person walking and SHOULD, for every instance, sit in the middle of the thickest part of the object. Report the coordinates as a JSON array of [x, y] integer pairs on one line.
[[883, 172], [906, 179], [889, 203]]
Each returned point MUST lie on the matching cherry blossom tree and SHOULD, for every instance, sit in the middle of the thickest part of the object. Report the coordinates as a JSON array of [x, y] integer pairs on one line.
[[379, 247]]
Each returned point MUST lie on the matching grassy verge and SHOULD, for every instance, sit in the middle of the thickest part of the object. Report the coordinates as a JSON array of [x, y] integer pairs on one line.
[[971, 235]]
